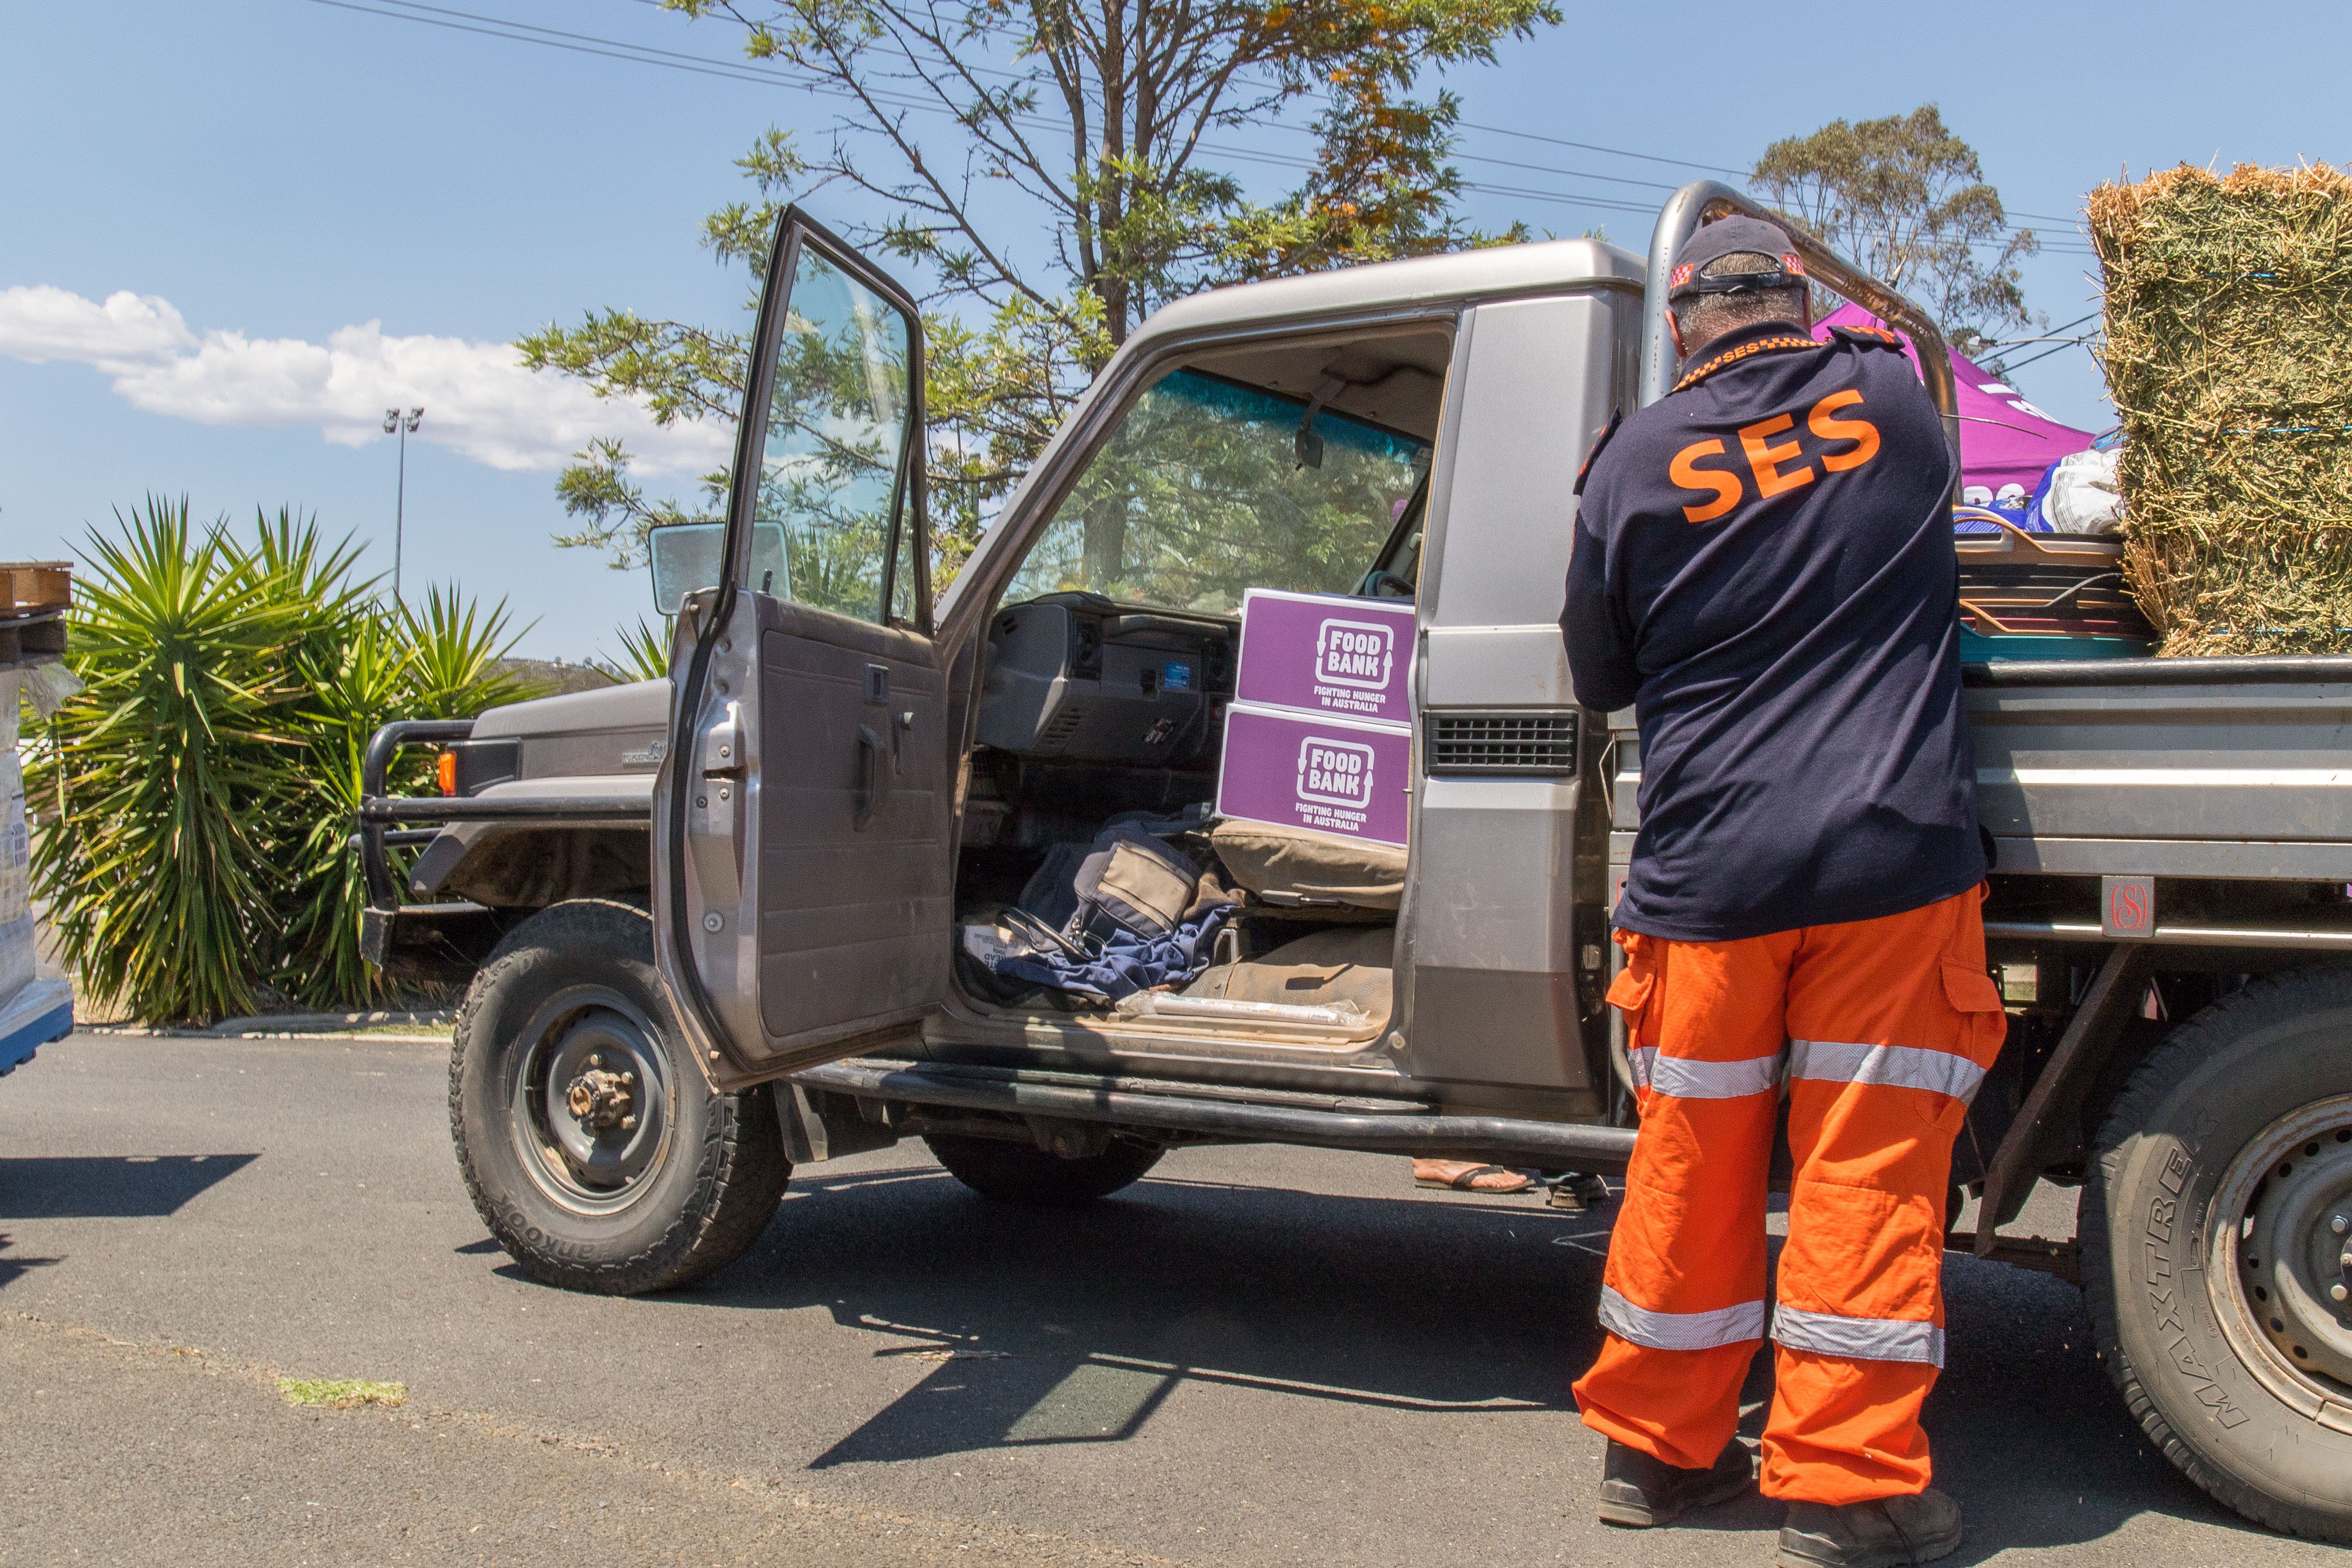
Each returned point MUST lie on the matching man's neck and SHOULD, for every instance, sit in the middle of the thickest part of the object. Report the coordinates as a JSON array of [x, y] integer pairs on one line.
[[1732, 337]]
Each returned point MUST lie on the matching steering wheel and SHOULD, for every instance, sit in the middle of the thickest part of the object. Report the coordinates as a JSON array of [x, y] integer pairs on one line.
[[1377, 585]]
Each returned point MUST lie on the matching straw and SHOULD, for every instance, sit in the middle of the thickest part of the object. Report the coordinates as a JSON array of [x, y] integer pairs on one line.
[[2229, 356]]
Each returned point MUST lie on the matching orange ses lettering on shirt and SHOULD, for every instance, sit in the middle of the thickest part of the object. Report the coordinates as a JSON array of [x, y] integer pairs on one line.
[[1861, 432], [1765, 458], [1685, 472]]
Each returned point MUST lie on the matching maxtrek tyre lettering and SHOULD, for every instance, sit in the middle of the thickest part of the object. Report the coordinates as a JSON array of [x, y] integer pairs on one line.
[[2183, 1159]]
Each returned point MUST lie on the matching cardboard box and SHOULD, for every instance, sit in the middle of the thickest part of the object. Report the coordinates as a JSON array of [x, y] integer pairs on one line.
[[1317, 771], [1318, 653]]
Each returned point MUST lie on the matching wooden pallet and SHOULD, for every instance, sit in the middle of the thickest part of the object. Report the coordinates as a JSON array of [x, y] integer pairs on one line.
[[29, 587], [34, 598]]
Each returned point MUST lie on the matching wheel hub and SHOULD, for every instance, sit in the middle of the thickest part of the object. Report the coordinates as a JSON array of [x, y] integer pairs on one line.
[[589, 1107], [602, 1100], [2294, 1241]]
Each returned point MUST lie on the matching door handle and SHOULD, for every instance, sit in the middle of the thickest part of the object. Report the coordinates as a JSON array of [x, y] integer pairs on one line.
[[714, 825], [869, 776]]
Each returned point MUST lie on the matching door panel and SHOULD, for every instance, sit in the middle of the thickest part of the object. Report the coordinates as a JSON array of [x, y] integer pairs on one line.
[[803, 875], [848, 910]]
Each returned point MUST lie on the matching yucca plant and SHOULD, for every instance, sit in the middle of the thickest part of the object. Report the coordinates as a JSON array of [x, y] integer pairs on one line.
[[645, 654], [171, 759], [209, 773], [437, 662]]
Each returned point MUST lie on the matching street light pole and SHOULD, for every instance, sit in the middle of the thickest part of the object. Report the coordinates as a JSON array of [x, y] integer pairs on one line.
[[393, 423]]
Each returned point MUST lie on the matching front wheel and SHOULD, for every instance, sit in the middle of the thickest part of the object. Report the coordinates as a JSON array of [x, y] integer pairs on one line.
[[2216, 1255], [592, 1146]]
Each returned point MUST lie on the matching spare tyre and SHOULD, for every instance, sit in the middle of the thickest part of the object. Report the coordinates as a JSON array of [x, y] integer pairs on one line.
[[593, 1148], [1014, 1171]]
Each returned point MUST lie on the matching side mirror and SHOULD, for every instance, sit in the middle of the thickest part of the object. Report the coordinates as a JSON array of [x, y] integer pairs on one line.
[[686, 557]]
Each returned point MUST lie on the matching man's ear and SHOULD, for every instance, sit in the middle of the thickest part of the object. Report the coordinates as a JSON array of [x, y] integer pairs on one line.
[[1675, 331]]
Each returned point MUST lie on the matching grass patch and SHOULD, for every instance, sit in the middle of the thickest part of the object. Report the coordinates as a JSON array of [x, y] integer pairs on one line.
[[341, 1393]]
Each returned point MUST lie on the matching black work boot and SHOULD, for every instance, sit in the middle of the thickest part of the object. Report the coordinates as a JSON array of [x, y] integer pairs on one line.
[[1639, 1490], [1888, 1533]]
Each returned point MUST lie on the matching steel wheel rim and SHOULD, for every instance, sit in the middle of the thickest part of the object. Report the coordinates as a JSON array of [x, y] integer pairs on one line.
[[591, 1164], [2275, 1256]]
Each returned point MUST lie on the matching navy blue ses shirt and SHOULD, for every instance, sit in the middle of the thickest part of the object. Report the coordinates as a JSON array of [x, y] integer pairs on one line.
[[1764, 569]]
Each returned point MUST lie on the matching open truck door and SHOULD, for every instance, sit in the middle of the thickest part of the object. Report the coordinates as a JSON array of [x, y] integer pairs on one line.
[[802, 877]]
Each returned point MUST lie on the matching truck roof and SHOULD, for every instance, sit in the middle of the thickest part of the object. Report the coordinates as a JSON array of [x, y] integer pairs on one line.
[[1499, 271]]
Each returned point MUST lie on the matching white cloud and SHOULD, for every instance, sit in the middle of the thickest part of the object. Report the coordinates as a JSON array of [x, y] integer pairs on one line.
[[478, 398], [42, 324]]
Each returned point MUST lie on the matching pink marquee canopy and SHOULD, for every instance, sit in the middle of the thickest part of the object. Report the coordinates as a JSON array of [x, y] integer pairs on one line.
[[2004, 439]]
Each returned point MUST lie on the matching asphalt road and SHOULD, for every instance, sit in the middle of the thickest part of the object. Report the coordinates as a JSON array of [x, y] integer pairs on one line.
[[1255, 1356]]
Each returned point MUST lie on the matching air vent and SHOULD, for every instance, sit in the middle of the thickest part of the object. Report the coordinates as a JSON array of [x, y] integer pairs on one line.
[[1064, 724], [1086, 648], [1503, 745]]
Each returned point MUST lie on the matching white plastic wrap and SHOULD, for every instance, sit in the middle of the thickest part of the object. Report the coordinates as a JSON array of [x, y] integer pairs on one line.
[[36, 1008], [15, 877], [2085, 497]]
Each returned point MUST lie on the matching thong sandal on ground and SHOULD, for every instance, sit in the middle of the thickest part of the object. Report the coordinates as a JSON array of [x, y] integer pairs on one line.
[[1464, 1183]]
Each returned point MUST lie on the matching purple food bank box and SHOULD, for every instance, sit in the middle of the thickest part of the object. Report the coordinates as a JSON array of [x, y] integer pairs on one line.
[[1321, 654], [1314, 771]]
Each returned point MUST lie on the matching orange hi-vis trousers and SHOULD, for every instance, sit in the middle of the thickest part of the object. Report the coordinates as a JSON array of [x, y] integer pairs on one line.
[[1882, 1030]]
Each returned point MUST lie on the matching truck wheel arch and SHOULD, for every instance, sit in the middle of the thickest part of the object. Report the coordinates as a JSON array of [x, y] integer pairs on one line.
[[525, 866]]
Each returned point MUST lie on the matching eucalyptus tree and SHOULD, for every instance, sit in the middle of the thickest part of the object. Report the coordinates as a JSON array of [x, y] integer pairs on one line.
[[1053, 172], [1908, 201]]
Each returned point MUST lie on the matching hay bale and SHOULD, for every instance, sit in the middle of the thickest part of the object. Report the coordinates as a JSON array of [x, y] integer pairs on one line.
[[2229, 355]]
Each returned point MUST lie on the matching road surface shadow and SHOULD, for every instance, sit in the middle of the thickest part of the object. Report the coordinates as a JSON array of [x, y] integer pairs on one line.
[[108, 1186], [1074, 1326], [10, 1268]]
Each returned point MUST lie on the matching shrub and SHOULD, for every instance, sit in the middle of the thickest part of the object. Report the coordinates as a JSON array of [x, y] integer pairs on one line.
[[208, 773], [645, 654]]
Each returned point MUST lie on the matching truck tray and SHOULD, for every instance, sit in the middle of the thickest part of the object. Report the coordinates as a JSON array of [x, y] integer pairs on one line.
[[2237, 768]]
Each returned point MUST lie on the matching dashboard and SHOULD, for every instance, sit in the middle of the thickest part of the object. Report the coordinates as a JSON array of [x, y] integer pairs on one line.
[[1082, 678]]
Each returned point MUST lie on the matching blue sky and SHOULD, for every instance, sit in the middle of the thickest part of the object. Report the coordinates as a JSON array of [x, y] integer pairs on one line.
[[288, 190]]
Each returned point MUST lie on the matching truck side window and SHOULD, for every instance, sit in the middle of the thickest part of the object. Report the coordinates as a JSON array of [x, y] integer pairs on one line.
[[1211, 487], [832, 473]]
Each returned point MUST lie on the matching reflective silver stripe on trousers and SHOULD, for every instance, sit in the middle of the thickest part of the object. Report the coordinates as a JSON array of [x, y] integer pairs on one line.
[[1687, 1079], [1904, 1067], [1640, 1059], [1681, 1330], [1857, 1338]]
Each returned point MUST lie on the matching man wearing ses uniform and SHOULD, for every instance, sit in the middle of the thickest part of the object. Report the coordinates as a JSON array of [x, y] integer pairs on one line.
[[1764, 569]]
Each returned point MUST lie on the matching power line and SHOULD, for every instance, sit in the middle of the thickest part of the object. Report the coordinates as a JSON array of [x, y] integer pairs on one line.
[[2069, 326], [580, 44], [640, 54], [1595, 147], [482, 25], [2082, 342]]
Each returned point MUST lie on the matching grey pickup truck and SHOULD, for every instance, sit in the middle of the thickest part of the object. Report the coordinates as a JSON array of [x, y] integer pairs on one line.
[[718, 925]]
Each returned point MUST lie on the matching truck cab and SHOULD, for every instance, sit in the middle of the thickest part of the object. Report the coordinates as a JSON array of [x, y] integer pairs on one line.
[[862, 772]]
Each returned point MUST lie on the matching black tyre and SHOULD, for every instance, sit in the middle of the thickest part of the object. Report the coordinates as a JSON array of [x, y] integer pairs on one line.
[[1023, 1173], [2213, 1251], [593, 1148]]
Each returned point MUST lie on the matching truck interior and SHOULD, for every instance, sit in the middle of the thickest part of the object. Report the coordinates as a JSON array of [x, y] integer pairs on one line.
[[1300, 466]]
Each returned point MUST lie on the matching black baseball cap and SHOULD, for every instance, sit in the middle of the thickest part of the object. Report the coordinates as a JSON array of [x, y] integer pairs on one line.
[[1735, 236]]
